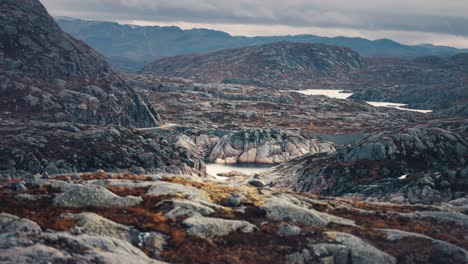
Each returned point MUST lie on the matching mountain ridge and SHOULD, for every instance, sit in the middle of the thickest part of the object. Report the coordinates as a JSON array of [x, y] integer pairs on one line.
[[142, 44]]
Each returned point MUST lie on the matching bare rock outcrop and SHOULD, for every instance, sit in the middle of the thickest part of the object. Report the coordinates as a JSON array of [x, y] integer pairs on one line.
[[417, 165], [267, 146], [192, 214], [56, 148]]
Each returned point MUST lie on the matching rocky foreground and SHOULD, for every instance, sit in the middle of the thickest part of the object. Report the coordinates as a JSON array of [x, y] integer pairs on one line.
[[158, 218]]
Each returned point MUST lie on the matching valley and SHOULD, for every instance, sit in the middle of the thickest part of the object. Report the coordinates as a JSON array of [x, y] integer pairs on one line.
[[279, 152]]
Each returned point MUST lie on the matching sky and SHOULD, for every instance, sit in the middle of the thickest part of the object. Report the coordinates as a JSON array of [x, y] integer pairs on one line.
[[440, 22]]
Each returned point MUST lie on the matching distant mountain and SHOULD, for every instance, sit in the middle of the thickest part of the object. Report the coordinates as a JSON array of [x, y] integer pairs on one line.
[[279, 65], [130, 47]]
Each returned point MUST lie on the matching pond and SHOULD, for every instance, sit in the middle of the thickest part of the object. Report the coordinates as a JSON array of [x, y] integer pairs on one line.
[[247, 168], [340, 94]]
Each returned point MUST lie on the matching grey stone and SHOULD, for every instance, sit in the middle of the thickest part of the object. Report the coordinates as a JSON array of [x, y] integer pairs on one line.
[[340, 253], [206, 227], [13, 239], [20, 187], [168, 188], [27, 197], [302, 257], [234, 200], [11, 223], [460, 203], [352, 250], [445, 217], [34, 254], [153, 242], [440, 251], [91, 243], [95, 196], [257, 183], [93, 224], [279, 209], [108, 257], [289, 230], [187, 208]]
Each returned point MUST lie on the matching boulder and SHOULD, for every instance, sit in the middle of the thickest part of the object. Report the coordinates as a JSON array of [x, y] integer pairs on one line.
[[93, 224], [289, 230], [206, 227], [187, 208], [351, 249], [13, 224], [437, 251], [168, 188], [34, 254], [278, 209], [78, 195]]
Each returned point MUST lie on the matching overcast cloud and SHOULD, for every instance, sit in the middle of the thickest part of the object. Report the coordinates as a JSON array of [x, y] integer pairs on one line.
[[410, 21]]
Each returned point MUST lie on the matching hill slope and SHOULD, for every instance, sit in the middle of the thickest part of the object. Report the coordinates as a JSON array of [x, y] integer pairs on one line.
[[130, 47], [419, 165], [58, 100], [47, 75], [283, 64]]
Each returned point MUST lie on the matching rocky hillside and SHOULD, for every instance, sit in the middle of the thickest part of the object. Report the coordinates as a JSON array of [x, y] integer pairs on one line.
[[280, 65], [421, 165], [33, 43], [56, 148], [119, 218], [47, 75], [436, 83]]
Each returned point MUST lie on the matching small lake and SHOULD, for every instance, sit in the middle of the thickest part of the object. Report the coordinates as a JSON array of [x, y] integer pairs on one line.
[[247, 168], [340, 94]]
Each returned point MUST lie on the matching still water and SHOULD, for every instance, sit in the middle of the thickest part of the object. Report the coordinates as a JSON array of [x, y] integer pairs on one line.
[[340, 94], [250, 169]]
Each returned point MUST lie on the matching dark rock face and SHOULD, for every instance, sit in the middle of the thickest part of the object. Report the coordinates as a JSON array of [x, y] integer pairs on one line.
[[33, 43], [27, 149], [416, 165], [47, 75], [267, 65]]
